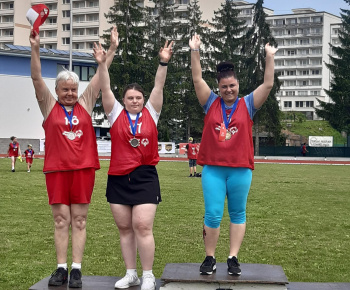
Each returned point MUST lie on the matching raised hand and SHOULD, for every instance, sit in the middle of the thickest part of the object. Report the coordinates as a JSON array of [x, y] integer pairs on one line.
[[166, 52], [34, 39], [99, 53], [195, 42], [270, 49], [114, 37]]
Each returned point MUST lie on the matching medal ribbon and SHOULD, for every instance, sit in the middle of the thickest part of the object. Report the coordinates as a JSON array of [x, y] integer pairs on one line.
[[69, 117], [133, 127], [228, 120]]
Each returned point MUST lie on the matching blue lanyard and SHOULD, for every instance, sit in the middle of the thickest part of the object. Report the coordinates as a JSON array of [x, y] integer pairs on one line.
[[69, 117], [227, 120], [14, 145], [133, 127]]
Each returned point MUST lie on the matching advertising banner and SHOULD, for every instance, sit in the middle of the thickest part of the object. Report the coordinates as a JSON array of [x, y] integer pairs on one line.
[[321, 141]]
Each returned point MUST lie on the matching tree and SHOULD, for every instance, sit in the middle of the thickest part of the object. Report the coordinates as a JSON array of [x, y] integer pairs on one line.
[[189, 112], [337, 113], [227, 34], [267, 118], [130, 63]]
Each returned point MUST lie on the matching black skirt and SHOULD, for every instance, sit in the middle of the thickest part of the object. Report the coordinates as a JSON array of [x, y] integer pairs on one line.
[[138, 187]]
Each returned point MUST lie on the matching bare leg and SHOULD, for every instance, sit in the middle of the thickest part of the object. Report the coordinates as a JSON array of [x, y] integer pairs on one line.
[[78, 215], [123, 218], [237, 232], [211, 237], [62, 219], [142, 221], [13, 162]]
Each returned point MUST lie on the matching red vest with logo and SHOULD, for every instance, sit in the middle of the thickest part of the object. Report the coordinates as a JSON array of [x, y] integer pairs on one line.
[[236, 152], [13, 150], [192, 151], [29, 154], [69, 149], [124, 157]]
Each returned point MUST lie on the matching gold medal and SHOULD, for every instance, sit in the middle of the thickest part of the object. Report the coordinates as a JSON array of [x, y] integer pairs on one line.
[[228, 135]]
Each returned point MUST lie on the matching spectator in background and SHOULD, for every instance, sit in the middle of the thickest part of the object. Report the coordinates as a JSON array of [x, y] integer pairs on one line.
[[303, 149], [14, 152], [29, 155], [192, 151]]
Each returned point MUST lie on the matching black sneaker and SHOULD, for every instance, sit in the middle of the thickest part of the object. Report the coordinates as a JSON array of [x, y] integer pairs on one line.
[[208, 266], [58, 277], [233, 266], [75, 279], [190, 175]]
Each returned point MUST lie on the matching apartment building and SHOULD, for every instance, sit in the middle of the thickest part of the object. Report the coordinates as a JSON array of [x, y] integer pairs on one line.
[[303, 39], [88, 21]]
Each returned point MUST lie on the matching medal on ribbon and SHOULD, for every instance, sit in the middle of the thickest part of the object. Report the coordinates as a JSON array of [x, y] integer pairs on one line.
[[225, 134], [133, 141], [70, 135]]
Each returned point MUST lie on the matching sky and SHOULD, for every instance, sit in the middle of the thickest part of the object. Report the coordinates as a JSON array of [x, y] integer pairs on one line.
[[286, 6]]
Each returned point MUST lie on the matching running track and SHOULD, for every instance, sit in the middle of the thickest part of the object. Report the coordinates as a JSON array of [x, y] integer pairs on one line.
[[257, 160]]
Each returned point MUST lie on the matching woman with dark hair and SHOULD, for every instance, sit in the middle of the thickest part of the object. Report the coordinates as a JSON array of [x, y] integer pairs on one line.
[[133, 187], [14, 152], [226, 152]]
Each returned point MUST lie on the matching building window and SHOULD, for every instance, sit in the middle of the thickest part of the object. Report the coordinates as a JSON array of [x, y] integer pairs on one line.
[[303, 62], [92, 17], [299, 104], [288, 104], [309, 103], [315, 93], [7, 19], [290, 93], [280, 73], [65, 27], [52, 6], [290, 52], [291, 73], [66, 13], [65, 1], [317, 19], [315, 82], [66, 40], [51, 20], [305, 72], [316, 72], [51, 33]]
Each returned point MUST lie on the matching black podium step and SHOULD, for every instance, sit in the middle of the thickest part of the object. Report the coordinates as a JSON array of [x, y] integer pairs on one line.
[[251, 273], [89, 283]]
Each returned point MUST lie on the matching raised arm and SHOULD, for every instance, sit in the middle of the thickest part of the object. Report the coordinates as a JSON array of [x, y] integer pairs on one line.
[[262, 92], [108, 98], [45, 100], [114, 42], [201, 87], [156, 97]]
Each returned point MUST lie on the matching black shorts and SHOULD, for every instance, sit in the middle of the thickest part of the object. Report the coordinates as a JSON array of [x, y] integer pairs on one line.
[[192, 162], [138, 187]]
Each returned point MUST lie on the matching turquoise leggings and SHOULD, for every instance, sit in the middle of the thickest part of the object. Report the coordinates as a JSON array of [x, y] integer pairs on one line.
[[219, 182]]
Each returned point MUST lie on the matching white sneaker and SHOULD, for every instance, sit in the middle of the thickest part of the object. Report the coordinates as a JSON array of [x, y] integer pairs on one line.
[[127, 281], [28, 171], [148, 282]]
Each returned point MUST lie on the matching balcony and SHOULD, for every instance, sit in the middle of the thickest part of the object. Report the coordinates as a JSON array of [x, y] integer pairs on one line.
[[86, 24], [7, 12], [85, 10]]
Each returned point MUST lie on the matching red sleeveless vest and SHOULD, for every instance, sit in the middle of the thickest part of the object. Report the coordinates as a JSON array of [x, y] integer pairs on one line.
[[67, 149], [124, 157], [192, 151], [236, 152]]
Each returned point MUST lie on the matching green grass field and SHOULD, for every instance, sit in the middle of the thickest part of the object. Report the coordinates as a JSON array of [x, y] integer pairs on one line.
[[297, 217]]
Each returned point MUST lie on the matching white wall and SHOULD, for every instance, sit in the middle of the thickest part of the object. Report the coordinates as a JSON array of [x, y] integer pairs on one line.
[[20, 115]]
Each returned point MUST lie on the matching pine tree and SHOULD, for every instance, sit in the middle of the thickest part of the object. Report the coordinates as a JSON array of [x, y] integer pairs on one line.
[[268, 117], [189, 112], [337, 113], [130, 63]]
